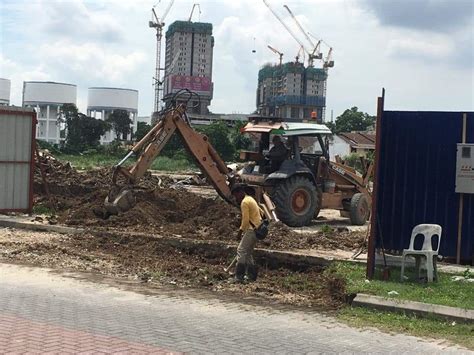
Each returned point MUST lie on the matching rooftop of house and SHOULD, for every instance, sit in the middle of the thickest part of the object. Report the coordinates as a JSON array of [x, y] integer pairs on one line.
[[359, 139]]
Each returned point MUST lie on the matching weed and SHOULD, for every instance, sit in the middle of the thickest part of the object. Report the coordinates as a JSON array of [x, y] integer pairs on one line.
[[326, 229], [42, 209]]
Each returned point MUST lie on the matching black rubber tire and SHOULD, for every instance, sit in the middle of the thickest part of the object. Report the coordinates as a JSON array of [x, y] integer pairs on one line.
[[319, 196], [288, 197], [360, 209]]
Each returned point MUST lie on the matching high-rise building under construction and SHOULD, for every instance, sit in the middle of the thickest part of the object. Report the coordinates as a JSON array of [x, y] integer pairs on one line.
[[291, 90], [188, 63]]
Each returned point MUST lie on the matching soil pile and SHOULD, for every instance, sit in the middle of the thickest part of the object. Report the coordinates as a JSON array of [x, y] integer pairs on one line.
[[78, 199]]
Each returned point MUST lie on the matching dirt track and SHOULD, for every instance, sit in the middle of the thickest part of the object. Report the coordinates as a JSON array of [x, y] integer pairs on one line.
[[146, 260]]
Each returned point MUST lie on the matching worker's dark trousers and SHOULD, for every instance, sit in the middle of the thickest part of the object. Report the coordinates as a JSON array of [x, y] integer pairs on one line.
[[245, 248]]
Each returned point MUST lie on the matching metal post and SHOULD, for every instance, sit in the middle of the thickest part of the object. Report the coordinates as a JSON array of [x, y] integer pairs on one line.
[[461, 197]]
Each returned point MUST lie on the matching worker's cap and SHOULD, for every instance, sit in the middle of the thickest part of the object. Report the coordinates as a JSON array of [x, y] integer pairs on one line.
[[238, 188], [276, 139]]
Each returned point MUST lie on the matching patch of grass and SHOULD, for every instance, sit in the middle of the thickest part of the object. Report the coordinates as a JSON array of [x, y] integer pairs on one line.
[[444, 292], [90, 161], [96, 160], [459, 333], [42, 209], [326, 229]]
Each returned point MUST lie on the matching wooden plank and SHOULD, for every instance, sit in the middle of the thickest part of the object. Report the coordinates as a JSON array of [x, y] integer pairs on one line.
[[371, 242]]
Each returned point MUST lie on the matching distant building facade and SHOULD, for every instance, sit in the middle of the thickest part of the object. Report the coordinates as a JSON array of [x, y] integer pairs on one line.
[[344, 144], [291, 90], [47, 98], [5, 87], [188, 63], [102, 101]]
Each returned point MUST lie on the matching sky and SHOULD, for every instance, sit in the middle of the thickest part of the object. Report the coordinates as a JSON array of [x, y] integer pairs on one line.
[[420, 51]]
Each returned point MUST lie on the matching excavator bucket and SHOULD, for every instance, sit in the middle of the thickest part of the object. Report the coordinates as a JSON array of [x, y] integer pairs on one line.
[[119, 200]]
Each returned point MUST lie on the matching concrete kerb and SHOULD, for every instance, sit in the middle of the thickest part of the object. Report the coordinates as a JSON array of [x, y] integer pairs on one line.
[[426, 310]]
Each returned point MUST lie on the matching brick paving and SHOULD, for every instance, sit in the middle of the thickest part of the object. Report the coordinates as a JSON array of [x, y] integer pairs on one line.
[[43, 312], [20, 335]]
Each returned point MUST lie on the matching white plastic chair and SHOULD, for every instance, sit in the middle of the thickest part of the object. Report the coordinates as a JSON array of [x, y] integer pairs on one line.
[[428, 231]]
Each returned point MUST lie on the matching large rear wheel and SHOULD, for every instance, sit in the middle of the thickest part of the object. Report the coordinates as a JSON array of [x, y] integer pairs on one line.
[[296, 201]]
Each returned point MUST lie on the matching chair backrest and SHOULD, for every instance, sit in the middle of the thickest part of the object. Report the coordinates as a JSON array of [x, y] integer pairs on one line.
[[428, 231]]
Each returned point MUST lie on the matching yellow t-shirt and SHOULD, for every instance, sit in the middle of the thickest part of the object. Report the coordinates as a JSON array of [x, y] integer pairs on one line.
[[250, 213]]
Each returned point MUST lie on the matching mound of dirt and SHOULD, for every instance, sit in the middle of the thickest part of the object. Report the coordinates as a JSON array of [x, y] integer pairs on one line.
[[79, 197]]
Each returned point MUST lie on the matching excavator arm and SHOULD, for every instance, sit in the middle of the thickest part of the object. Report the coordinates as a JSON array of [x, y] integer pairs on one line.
[[150, 146]]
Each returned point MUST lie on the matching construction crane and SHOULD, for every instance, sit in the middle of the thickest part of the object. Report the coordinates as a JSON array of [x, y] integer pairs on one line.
[[301, 52], [192, 11], [276, 52], [158, 24], [328, 62], [315, 54], [286, 27]]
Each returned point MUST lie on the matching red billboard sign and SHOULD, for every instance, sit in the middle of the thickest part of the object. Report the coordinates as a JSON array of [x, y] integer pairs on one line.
[[193, 83]]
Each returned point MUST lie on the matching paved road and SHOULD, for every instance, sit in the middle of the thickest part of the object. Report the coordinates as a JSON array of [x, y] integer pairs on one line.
[[42, 311]]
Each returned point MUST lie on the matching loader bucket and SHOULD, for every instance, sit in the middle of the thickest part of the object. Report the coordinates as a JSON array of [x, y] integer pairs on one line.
[[119, 200]]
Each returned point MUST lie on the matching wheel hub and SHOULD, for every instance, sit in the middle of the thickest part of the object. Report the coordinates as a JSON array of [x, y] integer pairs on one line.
[[300, 201]]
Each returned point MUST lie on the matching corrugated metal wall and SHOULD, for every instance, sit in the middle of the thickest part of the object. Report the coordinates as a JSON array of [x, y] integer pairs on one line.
[[416, 176], [16, 139]]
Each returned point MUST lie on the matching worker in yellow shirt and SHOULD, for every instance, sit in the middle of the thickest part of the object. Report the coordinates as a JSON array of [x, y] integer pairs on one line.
[[251, 219]]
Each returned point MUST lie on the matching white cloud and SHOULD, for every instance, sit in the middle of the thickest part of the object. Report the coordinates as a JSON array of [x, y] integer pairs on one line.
[[421, 47], [91, 60]]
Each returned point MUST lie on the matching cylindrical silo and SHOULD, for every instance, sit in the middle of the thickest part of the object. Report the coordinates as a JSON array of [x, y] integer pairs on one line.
[[4, 92], [47, 98], [102, 101]]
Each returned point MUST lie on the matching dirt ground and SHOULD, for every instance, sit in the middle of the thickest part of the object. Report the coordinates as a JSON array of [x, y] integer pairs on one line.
[[146, 260], [164, 208]]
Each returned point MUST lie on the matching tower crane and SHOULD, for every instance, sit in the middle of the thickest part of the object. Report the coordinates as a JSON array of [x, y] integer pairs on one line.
[[286, 27], [158, 24], [301, 52], [328, 62], [315, 54], [192, 11], [276, 52]]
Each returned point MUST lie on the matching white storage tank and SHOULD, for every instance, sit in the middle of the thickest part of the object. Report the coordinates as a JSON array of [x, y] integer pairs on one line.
[[5, 86], [102, 101], [47, 97]]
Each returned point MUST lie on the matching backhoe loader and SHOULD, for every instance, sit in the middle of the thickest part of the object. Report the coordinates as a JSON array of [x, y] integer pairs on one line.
[[120, 197], [294, 193]]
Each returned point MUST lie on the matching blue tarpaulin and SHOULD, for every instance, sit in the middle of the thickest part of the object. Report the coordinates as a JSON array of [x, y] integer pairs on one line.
[[416, 179]]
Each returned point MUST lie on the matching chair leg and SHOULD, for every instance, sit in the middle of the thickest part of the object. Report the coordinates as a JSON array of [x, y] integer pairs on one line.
[[435, 267], [417, 267], [429, 269], [403, 269]]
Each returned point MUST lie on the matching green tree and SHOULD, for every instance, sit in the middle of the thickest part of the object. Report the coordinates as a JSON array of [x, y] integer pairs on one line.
[[220, 137], [239, 140], [120, 121], [142, 129], [82, 131], [352, 120]]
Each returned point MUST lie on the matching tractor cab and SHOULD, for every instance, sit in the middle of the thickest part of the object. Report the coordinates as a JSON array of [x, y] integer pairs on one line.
[[280, 149]]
